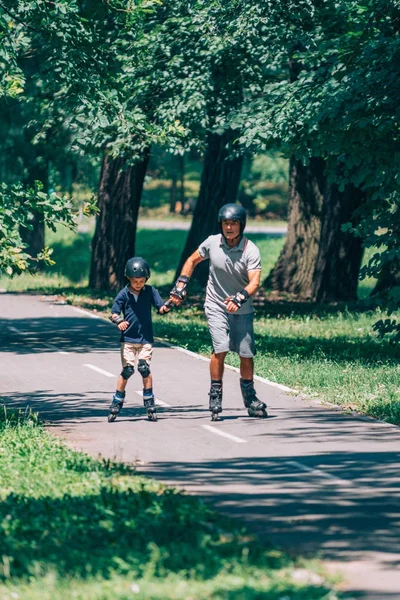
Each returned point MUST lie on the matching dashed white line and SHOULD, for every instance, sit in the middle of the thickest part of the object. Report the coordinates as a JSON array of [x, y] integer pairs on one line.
[[15, 330], [238, 440], [319, 473], [106, 373]]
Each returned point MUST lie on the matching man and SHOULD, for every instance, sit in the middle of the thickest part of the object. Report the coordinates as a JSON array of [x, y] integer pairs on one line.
[[234, 277]]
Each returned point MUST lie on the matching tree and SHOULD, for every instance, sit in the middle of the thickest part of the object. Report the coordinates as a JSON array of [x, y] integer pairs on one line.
[[119, 194], [17, 205], [341, 107], [319, 261], [219, 184]]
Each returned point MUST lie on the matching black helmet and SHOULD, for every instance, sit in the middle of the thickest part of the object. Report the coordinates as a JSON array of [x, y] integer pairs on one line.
[[137, 267], [234, 212]]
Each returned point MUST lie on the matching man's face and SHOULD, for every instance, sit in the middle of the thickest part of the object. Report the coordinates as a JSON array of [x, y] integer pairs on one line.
[[137, 283], [230, 228]]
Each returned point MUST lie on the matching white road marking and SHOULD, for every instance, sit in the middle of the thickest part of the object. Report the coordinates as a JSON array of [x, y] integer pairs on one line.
[[156, 400], [55, 348], [224, 434], [86, 313], [319, 473], [11, 328], [106, 373]]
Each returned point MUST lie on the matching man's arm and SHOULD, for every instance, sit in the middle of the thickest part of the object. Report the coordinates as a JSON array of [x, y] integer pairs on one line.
[[186, 273], [249, 290]]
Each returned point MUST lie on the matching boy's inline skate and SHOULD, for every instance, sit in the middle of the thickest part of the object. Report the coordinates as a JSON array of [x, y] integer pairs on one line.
[[115, 406], [215, 394], [255, 407], [150, 407]]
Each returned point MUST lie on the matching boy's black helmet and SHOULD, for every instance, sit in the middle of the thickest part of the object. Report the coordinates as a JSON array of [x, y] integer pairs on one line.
[[137, 267], [234, 212]]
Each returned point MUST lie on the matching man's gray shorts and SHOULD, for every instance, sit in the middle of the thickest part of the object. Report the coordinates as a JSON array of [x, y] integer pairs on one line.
[[230, 331]]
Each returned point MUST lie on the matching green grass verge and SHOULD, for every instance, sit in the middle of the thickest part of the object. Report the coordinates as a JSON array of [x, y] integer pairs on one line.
[[75, 527], [325, 351]]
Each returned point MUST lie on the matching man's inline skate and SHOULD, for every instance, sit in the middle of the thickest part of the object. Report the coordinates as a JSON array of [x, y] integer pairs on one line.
[[149, 404], [255, 407], [215, 394], [115, 406]]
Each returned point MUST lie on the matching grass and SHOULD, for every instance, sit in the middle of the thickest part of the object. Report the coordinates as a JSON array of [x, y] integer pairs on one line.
[[325, 351], [75, 527]]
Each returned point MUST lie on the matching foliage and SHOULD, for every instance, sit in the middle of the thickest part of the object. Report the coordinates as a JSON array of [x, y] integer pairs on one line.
[[16, 210], [339, 100]]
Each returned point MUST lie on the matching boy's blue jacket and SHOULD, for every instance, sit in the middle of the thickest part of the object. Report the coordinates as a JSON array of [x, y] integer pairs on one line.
[[137, 313]]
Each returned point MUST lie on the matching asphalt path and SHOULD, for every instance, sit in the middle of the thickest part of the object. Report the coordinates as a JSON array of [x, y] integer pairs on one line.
[[309, 478]]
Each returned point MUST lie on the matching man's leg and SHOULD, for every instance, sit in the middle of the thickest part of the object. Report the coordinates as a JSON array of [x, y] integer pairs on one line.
[[246, 368], [242, 342], [254, 406], [217, 364], [219, 331]]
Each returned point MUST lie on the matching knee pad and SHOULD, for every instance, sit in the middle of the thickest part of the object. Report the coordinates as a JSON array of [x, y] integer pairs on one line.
[[127, 372], [143, 368]]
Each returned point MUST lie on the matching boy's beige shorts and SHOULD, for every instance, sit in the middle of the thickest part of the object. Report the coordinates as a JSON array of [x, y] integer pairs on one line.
[[132, 352]]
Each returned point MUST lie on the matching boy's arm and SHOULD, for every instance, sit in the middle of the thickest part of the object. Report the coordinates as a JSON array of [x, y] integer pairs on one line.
[[161, 306], [116, 310]]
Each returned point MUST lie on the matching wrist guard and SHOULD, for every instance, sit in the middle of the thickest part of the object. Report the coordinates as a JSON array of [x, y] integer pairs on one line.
[[181, 291], [116, 321], [240, 298]]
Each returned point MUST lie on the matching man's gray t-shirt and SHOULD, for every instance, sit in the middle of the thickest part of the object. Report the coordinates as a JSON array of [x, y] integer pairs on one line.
[[229, 269]]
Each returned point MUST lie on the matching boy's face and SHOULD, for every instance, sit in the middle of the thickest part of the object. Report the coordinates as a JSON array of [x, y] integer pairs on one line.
[[137, 283]]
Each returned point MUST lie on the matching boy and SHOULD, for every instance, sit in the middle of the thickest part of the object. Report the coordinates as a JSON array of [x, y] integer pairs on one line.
[[134, 302]]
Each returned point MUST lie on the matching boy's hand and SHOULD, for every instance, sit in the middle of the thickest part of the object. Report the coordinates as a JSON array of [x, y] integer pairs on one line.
[[123, 325], [165, 308]]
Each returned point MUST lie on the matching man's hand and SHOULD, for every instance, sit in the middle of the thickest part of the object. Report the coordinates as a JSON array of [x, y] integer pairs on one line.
[[123, 326], [233, 303], [231, 307]]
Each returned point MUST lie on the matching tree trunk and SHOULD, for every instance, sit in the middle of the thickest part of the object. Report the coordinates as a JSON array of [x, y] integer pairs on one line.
[[340, 253], [318, 262], [219, 185], [34, 238], [173, 190], [389, 277], [181, 160], [293, 273], [120, 191]]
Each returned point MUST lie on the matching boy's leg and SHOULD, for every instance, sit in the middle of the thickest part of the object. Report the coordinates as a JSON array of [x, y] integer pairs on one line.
[[127, 361], [144, 362]]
